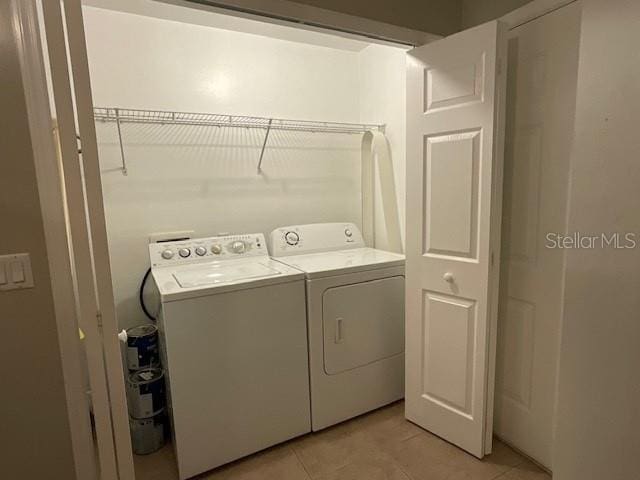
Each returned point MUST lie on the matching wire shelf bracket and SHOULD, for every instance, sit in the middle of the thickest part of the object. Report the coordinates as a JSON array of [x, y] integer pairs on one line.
[[124, 160], [264, 144], [162, 117]]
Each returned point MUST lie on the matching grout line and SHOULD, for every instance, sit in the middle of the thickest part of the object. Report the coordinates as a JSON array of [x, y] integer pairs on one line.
[[502, 474], [405, 473], [304, 467], [410, 437]]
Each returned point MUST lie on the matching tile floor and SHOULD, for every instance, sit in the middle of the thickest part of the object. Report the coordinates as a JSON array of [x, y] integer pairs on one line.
[[381, 445]]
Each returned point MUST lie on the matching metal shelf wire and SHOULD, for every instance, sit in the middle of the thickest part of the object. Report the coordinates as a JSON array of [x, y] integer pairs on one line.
[[161, 117]]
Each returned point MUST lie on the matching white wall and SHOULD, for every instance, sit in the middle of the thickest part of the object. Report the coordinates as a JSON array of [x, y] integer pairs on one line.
[[598, 434], [139, 61], [382, 100], [205, 179]]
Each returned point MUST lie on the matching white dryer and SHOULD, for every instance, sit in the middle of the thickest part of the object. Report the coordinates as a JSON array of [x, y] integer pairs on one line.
[[233, 342], [355, 315]]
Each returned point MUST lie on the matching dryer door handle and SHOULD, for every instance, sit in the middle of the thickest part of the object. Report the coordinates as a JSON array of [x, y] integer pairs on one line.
[[339, 337]]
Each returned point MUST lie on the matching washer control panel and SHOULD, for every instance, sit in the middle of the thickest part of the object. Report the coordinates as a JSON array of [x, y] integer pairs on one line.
[[207, 249], [315, 237]]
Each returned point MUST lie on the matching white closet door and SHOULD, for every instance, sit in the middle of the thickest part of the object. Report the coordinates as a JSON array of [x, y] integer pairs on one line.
[[72, 97], [455, 104], [542, 73]]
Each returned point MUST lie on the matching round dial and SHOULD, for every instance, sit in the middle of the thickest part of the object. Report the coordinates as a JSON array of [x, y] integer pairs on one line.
[[167, 254], [184, 252], [238, 246], [216, 248], [292, 238], [348, 232], [200, 251]]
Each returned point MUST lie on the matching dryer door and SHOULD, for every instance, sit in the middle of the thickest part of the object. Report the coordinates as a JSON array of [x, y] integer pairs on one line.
[[362, 323]]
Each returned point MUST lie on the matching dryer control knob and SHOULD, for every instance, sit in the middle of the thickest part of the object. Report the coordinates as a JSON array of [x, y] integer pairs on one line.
[[292, 238], [184, 252], [200, 251], [216, 249], [348, 232], [167, 254], [238, 246]]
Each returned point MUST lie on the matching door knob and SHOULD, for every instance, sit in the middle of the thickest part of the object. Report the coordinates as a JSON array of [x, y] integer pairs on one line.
[[448, 277]]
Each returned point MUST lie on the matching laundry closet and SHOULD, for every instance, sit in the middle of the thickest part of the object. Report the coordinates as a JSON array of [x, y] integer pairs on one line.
[[221, 135], [218, 130]]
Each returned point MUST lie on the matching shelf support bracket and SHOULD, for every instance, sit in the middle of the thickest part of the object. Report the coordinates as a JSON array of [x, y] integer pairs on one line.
[[264, 144], [124, 162]]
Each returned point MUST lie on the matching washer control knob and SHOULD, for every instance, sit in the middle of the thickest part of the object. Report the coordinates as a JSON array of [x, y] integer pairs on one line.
[[167, 254], [348, 232], [292, 238], [200, 251], [184, 252], [238, 246], [216, 248]]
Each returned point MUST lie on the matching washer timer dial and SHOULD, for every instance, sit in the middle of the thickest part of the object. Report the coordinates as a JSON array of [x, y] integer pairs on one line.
[[238, 246], [292, 238]]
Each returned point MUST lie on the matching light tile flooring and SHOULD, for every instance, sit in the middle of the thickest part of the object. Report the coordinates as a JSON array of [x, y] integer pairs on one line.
[[379, 446]]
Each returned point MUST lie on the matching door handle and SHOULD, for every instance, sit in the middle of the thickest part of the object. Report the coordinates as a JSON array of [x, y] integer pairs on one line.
[[448, 277], [339, 338]]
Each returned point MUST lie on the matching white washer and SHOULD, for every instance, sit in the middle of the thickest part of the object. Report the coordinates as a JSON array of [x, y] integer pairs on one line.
[[233, 342], [355, 315]]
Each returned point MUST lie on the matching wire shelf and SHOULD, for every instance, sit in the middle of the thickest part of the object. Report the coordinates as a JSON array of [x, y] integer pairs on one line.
[[162, 117], [129, 115]]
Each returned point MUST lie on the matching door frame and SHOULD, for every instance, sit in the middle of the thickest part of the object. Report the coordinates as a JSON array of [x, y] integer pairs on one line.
[[25, 21], [73, 298], [27, 33]]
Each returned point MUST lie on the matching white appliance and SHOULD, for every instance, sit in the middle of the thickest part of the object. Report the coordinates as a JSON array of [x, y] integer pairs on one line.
[[233, 341], [355, 315]]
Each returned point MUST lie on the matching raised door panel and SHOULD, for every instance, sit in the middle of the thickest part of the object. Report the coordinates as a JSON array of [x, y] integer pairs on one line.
[[515, 352], [522, 194], [453, 85], [449, 336], [451, 193]]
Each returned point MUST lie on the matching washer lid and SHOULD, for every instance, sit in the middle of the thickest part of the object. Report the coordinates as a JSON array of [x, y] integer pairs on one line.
[[217, 273], [343, 261], [179, 282]]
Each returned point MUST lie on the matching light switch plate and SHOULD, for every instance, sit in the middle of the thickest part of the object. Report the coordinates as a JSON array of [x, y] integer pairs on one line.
[[15, 272]]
